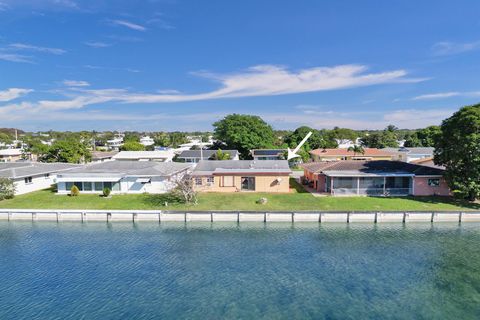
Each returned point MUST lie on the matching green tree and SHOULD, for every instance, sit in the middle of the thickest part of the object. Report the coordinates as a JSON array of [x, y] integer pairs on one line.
[[69, 150], [220, 155], [243, 133], [5, 138], [457, 147], [428, 135], [383, 139], [7, 189], [132, 145], [411, 140], [344, 134]]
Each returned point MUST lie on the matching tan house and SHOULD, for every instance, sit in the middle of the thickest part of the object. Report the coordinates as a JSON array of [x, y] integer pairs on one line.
[[10, 155], [344, 154], [242, 176]]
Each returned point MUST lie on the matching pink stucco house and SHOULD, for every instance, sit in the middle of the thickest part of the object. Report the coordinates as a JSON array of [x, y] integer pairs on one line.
[[375, 178]]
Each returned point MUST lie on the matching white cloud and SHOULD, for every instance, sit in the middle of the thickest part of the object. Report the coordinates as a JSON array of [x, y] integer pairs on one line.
[[29, 47], [97, 44], [13, 93], [129, 25], [444, 95], [268, 80], [76, 83], [445, 48], [15, 58]]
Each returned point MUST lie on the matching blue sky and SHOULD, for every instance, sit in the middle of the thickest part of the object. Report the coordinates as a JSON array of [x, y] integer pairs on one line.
[[181, 65]]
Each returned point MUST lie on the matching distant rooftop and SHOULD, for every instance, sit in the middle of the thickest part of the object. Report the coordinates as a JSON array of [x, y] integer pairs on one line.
[[267, 152], [157, 154], [368, 152], [412, 150], [206, 153]]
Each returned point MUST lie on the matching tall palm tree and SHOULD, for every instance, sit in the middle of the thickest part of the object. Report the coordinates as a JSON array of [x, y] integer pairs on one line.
[[356, 150]]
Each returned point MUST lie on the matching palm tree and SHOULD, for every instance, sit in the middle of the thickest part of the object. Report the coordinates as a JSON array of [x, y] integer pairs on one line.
[[356, 150]]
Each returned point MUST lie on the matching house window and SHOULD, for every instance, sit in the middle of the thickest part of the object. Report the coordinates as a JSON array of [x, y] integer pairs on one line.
[[47, 175], [227, 181], [198, 181], [87, 186], [79, 185], [116, 186], [107, 185], [28, 180], [68, 186], [210, 179], [434, 182], [98, 186]]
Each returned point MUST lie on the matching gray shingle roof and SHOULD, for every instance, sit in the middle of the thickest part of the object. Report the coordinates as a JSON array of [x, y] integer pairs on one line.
[[267, 152], [208, 167], [129, 168], [27, 169], [379, 166], [206, 153]]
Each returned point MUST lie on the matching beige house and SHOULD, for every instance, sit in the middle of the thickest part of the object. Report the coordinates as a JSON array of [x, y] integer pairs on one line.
[[242, 176], [10, 155]]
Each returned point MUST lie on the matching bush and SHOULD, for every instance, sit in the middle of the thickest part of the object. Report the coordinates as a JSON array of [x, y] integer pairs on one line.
[[106, 192], [7, 189], [74, 192]]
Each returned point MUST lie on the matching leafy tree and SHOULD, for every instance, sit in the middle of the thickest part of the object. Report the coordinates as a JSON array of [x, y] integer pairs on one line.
[[344, 134], [132, 146], [106, 192], [457, 147], [5, 138], [7, 188], [177, 138], [383, 139], [220, 155], [411, 140], [244, 132], [428, 135], [70, 150]]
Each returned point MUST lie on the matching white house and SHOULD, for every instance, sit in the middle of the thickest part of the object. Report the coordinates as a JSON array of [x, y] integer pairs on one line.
[[10, 155], [157, 155], [123, 177], [407, 154], [147, 141], [33, 176]]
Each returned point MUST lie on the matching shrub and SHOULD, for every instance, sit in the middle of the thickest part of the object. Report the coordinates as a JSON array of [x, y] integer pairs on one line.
[[7, 188], [74, 192], [106, 192]]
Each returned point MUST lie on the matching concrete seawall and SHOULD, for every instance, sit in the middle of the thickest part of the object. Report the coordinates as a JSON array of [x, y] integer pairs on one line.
[[234, 216]]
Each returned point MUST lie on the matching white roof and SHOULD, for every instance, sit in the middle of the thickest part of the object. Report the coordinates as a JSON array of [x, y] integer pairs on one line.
[[10, 152], [134, 155]]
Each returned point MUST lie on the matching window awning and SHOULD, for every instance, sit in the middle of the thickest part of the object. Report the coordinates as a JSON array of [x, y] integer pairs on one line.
[[143, 180]]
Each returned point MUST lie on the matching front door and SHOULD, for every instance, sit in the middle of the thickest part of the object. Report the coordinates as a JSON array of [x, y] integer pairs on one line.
[[248, 183]]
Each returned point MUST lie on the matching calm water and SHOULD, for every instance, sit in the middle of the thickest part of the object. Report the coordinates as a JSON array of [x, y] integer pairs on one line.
[[204, 271]]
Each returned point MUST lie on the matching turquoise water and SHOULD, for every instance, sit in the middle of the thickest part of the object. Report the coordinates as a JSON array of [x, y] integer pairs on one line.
[[216, 271]]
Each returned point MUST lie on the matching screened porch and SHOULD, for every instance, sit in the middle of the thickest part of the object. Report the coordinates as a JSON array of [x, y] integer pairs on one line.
[[370, 186]]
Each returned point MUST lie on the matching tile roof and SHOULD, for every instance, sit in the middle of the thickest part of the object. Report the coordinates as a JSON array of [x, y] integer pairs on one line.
[[368, 152], [15, 170], [428, 162], [208, 167], [378, 166], [413, 150], [97, 155]]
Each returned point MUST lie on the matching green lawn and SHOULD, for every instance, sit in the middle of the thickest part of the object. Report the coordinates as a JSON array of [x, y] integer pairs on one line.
[[298, 199]]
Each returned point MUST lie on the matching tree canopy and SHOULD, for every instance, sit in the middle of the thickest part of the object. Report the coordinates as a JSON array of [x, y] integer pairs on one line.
[[243, 133], [132, 145], [383, 139], [457, 147], [68, 150]]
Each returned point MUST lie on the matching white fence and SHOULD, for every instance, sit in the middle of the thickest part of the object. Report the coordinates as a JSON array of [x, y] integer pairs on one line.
[[235, 216]]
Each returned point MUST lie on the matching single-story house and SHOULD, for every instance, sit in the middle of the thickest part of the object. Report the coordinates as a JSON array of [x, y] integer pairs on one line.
[[268, 154], [10, 155], [33, 176], [157, 155], [409, 154], [241, 175], [345, 154], [195, 156], [123, 177], [101, 156], [375, 178]]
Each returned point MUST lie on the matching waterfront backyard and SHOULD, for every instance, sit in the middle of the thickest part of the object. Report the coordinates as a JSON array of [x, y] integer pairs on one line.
[[297, 199]]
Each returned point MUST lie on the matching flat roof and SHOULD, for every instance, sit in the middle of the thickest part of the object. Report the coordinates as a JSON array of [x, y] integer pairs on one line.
[[14, 170], [209, 167]]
